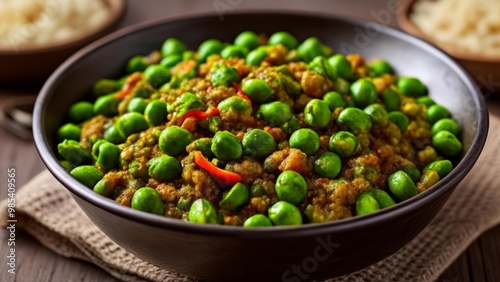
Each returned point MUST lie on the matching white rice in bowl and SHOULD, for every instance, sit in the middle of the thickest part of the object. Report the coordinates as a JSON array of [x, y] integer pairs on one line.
[[36, 22], [463, 25]]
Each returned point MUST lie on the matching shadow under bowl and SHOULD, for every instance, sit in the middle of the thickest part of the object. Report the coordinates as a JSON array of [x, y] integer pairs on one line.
[[215, 252]]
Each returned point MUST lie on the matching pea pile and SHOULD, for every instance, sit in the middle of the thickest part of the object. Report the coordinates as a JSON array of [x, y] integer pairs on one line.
[[262, 131]]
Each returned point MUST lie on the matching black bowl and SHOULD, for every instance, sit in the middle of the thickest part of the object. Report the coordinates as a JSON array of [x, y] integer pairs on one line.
[[311, 251]]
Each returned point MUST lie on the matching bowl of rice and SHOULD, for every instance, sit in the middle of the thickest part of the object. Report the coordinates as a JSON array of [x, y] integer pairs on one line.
[[468, 30], [38, 35]]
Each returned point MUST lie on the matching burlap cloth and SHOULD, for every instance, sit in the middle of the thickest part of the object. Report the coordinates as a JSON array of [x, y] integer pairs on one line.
[[46, 210]]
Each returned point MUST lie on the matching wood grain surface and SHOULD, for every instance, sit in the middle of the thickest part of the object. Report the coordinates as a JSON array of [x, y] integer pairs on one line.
[[35, 263]]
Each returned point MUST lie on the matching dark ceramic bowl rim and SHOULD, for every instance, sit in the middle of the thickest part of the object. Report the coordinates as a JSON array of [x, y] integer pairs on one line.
[[354, 223]]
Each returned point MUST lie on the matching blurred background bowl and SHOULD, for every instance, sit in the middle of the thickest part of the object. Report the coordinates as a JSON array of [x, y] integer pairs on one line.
[[31, 65], [485, 69]]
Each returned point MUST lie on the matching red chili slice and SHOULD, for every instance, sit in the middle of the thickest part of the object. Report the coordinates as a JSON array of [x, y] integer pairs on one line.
[[199, 114], [129, 85], [223, 177], [241, 93]]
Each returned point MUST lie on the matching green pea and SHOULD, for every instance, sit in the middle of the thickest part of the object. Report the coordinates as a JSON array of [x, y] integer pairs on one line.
[[148, 200], [399, 119], [291, 125], [412, 87], [437, 112], [311, 48], [204, 145], [66, 165], [338, 66], [209, 47], [171, 61], [411, 171], [342, 86], [137, 63], [108, 155], [363, 93], [366, 203], [120, 82], [391, 99], [426, 100], [69, 131], [157, 75], [156, 112], [305, 140], [172, 46], [233, 51], [256, 56], [318, 64], [284, 71], [257, 90], [343, 143], [447, 144], [107, 105], [188, 55], [235, 198], [164, 168], [88, 175], [258, 143], [291, 86], [97, 144], [285, 38], [113, 135], [174, 83], [187, 101], [377, 113], [137, 105], [380, 67], [234, 103], [442, 167], [226, 146], [334, 100], [401, 186], [283, 213], [73, 152], [328, 165], [257, 220], [291, 187], [184, 204], [173, 140], [355, 119], [142, 89], [138, 170], [104, 86], [224, 76], [276, 113], [383, 199], [202, 211], [447, 124], [81, 111], [247, 39], [213, 124], [130, 123], [317, 113], [104, 188]]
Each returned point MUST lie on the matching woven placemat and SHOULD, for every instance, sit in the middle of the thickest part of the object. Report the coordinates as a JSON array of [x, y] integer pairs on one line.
[[473, 208]]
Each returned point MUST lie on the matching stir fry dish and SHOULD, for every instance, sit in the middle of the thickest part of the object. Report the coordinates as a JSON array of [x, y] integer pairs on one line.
[[263, 131]]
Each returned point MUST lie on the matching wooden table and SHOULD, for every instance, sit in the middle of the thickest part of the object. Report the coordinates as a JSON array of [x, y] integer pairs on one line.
[[36, 263]]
